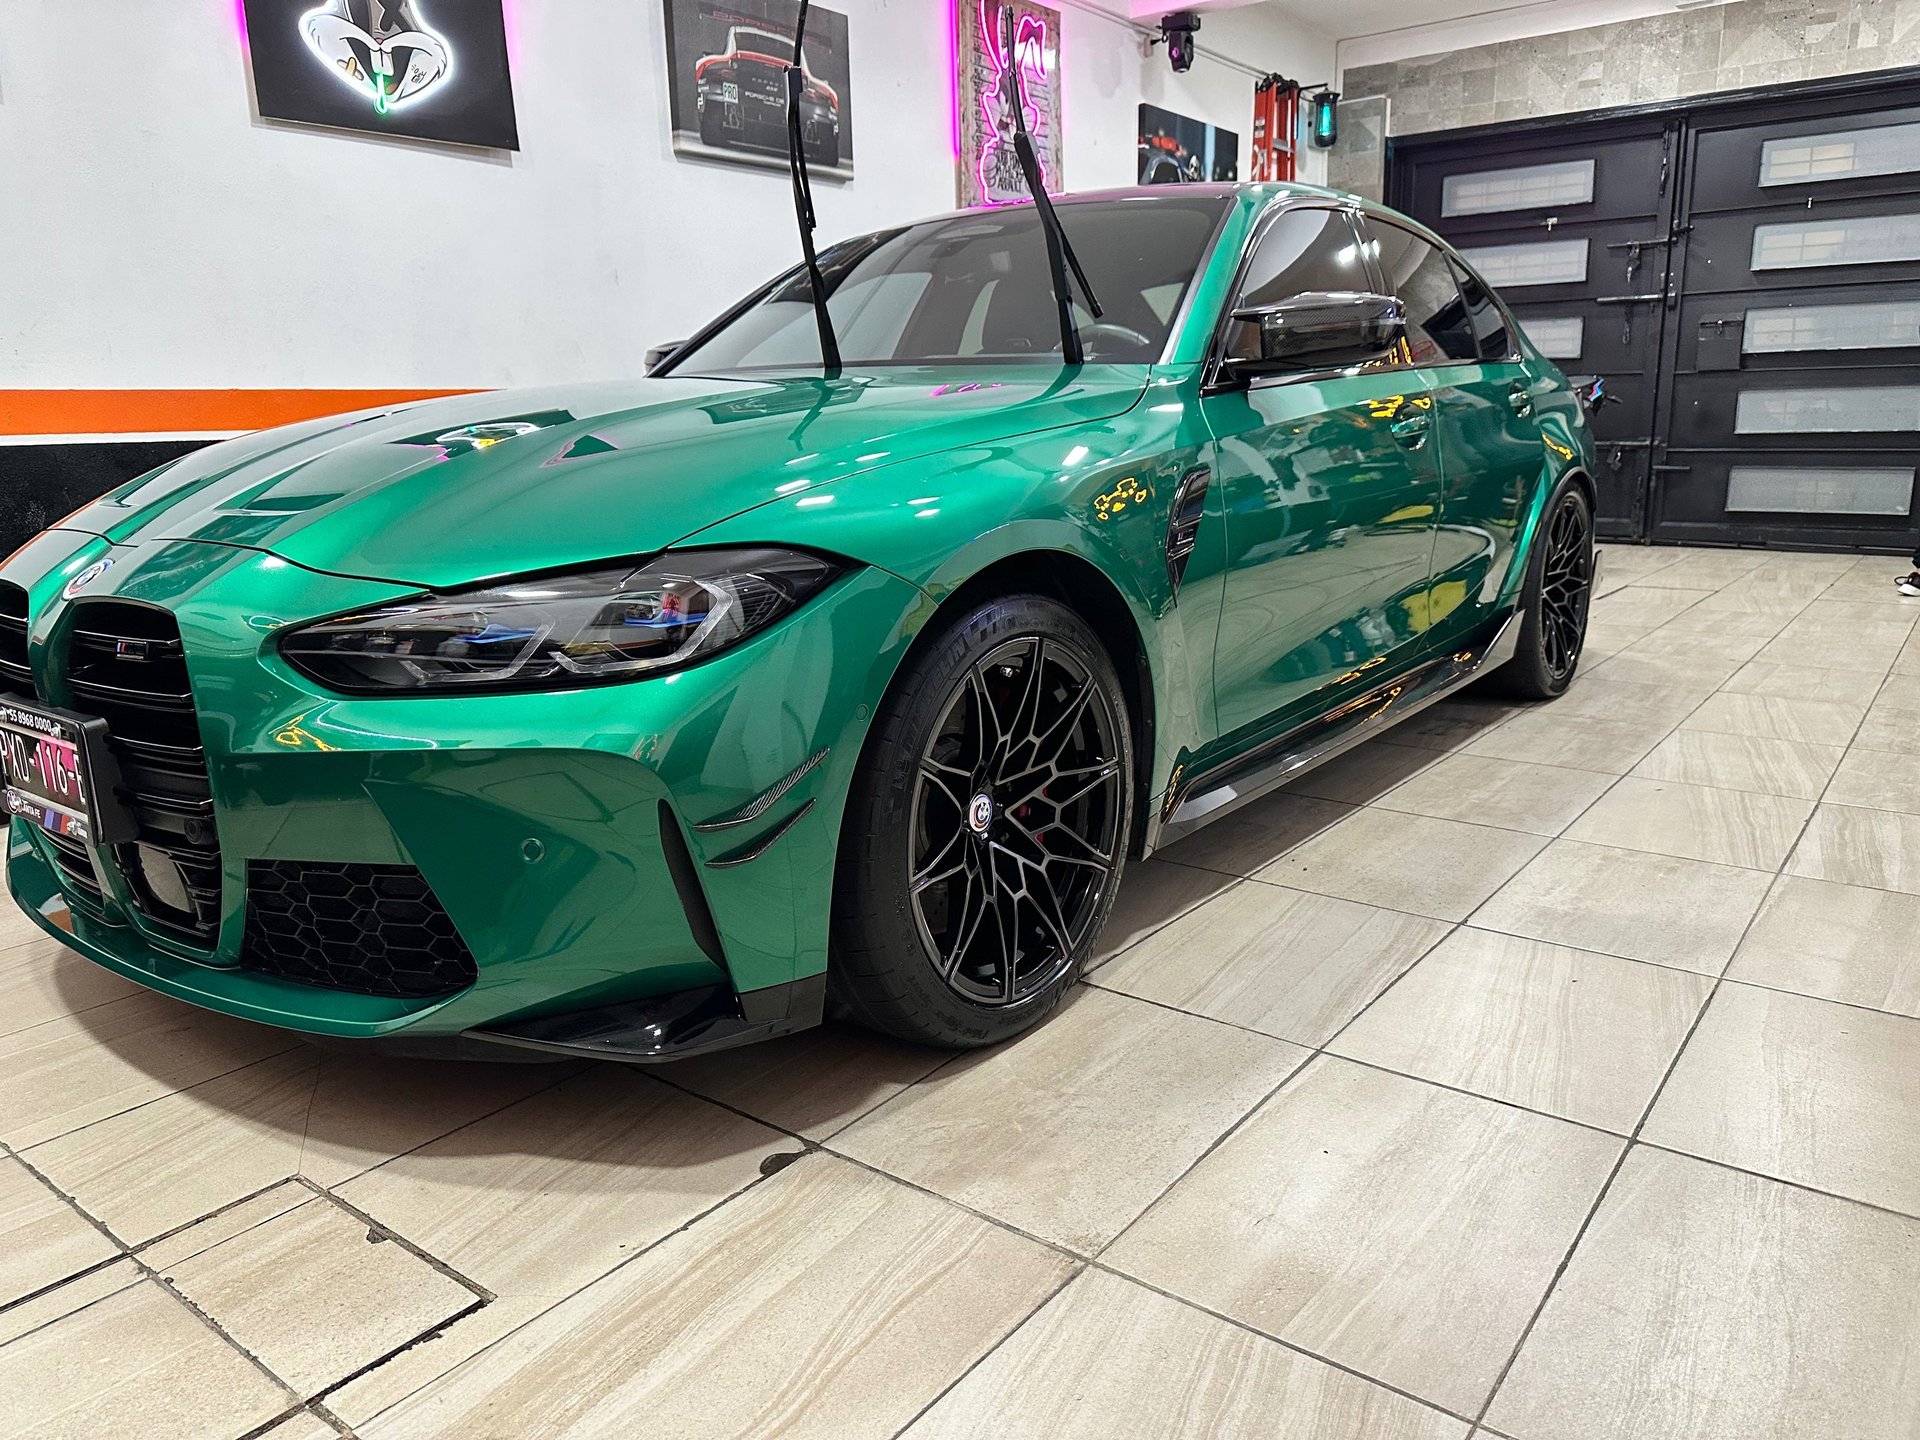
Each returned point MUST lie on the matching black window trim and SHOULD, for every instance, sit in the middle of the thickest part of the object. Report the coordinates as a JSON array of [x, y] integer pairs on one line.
[[1214, 379]]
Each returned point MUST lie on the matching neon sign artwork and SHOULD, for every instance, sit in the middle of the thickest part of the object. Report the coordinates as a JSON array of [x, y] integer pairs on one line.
[[989, 173], [380, 48]]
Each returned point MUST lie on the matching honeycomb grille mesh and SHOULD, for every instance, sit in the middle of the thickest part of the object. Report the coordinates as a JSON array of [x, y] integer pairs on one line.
[[369, 929]]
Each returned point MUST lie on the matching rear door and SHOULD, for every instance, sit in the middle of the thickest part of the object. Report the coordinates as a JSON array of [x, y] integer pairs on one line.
[[1483, 395], [1331, 483]]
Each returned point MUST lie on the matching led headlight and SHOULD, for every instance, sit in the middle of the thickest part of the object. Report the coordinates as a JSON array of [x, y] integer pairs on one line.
[[560, 632]]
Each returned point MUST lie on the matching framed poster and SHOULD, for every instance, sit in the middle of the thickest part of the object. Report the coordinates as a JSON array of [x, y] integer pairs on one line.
[[425, 69], [727, 83], [1179, 150], [989, 173]]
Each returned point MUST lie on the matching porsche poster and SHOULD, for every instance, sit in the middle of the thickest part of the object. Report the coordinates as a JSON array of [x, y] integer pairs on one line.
[[727, 83], [424, 69], [1179, 150]]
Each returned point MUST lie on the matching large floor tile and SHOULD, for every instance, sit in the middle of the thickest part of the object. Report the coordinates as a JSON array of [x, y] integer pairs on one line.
[[1542, 737], [1695, 822], [1364, 773], [1110, 1360], [1391, 1226], [827, 1302], [136, 1361], [1580, 1035], [1873, 657], [1801, 1089], [1440, 868], [1804, 682], [1856, 846], [367, 1109], [1070, 1131], [1452, 723], [1256, 834], [43, 1239], [1648, 605], [542, 1197], [413, 1369], [78, 1069], [1153, 894], [1770, 717], [308, 1294], [1837, 942], [1793, 768], [1509, 794], [1892, 729], [1280, 961], [42, 980], [1878, 781], [1704, 1304], [815, 1082], [1631, 903], [172, 1160]]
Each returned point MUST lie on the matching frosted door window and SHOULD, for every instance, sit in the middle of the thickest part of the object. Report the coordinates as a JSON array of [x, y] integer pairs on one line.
[[1559, 338], [1526, 187], [1879, 325], [1545, 262], [1855, 410], [1868, 240], [1840, 155], [1832, 490]]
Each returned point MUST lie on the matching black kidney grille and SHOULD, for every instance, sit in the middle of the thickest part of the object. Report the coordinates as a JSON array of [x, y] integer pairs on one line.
[[125, 663], [370, 929], [16, 677]]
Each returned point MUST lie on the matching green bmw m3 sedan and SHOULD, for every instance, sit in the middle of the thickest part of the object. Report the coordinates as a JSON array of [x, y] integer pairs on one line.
[[844, 660]]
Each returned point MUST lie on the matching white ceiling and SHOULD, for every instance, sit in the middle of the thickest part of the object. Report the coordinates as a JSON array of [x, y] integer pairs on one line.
[[1348, 19]]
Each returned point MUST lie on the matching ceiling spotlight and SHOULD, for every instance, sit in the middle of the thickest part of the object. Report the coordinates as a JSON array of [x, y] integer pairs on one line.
[[1178, 30]]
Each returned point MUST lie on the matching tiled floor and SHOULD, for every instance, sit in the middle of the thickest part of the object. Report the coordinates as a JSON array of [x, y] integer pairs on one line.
[[1544, 1072]]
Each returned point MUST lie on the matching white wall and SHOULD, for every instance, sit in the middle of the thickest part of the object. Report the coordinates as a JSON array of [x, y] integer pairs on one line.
[[1545, 17], [154, 235]]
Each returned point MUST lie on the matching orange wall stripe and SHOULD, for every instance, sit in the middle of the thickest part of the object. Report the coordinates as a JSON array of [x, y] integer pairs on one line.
[[137, 412]]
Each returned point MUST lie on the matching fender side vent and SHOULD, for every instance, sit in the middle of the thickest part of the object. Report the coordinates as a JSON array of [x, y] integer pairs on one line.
[[1183, 525]]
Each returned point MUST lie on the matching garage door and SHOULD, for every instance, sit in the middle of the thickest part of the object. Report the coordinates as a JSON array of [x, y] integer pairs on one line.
[[1746, 274]]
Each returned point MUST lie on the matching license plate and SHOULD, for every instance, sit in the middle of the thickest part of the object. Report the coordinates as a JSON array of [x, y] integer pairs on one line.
[[729, 94], [44, 756]]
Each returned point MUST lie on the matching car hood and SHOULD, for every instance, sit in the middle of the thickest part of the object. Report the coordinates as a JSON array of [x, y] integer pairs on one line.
[[472, 487]]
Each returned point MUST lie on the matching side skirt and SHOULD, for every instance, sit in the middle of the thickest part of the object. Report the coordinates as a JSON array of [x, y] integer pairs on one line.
[[1210, 794]]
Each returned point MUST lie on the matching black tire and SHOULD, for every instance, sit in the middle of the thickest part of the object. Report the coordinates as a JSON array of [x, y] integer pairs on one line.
[[1555, 601], [905, 959]]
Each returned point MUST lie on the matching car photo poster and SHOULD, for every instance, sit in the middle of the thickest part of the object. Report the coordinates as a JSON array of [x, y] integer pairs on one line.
[[1179, 150], [423, 69], [989, 171], [727, 83]]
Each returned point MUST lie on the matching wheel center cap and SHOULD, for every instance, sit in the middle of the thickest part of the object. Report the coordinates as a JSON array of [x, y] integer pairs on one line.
[[980, 813]]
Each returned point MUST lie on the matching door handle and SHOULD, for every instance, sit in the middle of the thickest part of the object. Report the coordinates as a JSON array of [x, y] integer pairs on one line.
[[1412, 430], [1521, 401]]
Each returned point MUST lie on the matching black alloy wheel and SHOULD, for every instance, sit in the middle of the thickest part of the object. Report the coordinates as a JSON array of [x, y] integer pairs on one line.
[[1016, 821], [986, 830], [1566, 584], [1554, 604]]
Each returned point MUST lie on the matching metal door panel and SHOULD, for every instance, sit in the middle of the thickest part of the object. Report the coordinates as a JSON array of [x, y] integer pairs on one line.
[[1841, 410], [1627, 172], [1757, 166], [1720, 256], [1825, 327], [1691, 498]]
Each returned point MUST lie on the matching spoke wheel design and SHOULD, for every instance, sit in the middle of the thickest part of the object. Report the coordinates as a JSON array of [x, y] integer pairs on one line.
[[1566, 585], [1016, 821]]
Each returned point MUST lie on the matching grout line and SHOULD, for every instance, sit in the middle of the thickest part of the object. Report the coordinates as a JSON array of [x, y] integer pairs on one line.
[[1645, 1115], [387, 1232]]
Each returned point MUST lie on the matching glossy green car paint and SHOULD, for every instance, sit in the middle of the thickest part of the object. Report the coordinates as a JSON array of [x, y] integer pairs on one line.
[[535, 816]]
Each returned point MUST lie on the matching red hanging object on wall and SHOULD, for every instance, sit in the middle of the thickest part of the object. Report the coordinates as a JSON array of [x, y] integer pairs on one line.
[[1276, 127]]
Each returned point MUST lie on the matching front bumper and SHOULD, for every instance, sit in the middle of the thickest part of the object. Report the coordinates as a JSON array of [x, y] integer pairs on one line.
[[535, 819]]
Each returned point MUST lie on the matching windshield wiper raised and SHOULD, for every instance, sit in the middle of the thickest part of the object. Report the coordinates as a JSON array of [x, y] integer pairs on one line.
[[803, 199], [1060, 256]]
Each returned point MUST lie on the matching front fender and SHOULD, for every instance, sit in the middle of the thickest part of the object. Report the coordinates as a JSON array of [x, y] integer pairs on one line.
[[1100, 492]]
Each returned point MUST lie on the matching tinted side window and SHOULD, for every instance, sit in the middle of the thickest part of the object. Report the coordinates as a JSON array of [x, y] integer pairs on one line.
[[1305, 250], [1438, 327], [1489, 322]]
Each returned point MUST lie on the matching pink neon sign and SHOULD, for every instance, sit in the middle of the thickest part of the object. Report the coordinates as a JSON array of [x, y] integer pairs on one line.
[[989, 174]]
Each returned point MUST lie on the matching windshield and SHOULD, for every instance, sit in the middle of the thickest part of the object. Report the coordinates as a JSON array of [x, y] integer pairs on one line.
[[977, 287]]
